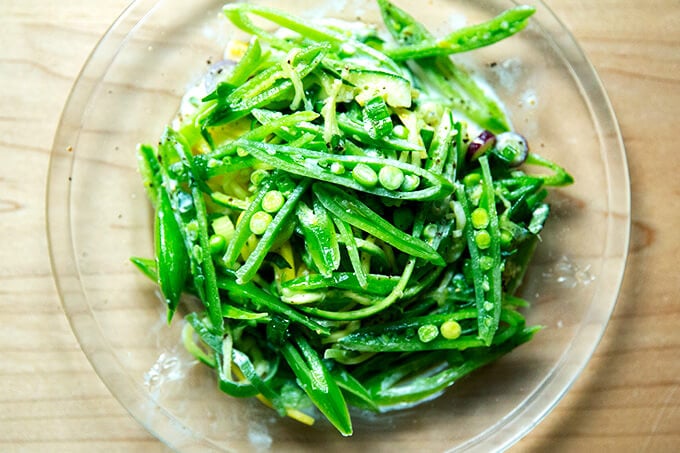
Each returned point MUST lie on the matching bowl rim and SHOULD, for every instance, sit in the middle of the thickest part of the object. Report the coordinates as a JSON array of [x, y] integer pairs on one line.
[[506, 431]]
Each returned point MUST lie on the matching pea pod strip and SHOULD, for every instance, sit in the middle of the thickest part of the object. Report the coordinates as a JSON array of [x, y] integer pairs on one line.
[[237, 389], [403, 336], [205, 332], [442, 72], [147, 266], [242, 230], [389, 369], [465, 93], [236, 12], [260, 133], [149, 169], [353, 388], [246, 272], [442, 142], [487, 282], [377, 307], [354, 212], [424, 386], [380, 285], [260, 90], [261, 298], [262, 385], [233, 312], [468, 38], [246, 65], [318, 165], [194, 349], [356, 131], [560, 176], [318, 384], [320, 238], [212, 297], [347, 238]]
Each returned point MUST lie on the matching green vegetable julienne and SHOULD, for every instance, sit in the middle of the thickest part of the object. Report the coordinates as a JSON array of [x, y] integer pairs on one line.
[[337, 199]]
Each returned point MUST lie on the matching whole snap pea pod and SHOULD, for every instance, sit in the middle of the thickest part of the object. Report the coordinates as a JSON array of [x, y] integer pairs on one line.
[[176, 170], [378, 176], [172, 259], [178, 159]]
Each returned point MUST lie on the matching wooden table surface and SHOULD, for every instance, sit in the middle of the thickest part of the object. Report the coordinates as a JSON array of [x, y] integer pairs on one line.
[[628, 398]]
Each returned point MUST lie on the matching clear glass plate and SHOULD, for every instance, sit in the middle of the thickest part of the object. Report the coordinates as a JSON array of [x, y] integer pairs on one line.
[[98, 217]]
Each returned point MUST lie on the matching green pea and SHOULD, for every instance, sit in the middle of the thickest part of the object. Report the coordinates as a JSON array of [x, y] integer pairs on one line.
[[506, 237], [192, 230], [480, 218], [483, 239], [259, 222], [430, 231], [485, 263], [365, 175], [411, 183], [272, 201], [400, 131], [450, 329], [427, 333], [337, 168], [217, 244], [472, 179], [258, 176], [391, 178]]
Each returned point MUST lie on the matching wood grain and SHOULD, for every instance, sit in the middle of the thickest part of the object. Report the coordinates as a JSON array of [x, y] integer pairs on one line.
[[626, 400]]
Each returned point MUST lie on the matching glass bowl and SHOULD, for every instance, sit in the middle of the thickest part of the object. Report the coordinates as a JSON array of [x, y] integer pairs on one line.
[[98, 217]]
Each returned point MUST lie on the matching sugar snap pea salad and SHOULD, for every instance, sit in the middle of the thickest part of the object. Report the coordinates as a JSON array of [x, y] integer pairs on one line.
[[352, 209]]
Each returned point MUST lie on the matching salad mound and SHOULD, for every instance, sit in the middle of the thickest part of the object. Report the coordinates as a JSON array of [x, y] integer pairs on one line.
[[354, 213]]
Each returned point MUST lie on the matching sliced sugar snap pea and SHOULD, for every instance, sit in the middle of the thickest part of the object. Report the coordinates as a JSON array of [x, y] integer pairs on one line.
[[317, 165]]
